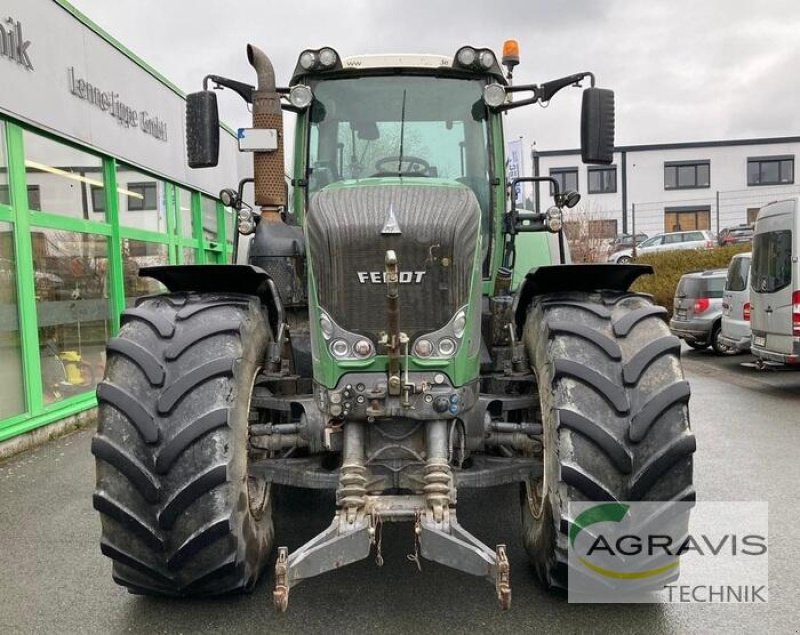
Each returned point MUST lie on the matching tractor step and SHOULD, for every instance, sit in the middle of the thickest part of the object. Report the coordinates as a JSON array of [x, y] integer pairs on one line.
[[350, 538]]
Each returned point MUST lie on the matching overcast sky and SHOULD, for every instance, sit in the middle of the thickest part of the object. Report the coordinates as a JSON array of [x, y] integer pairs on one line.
[[682, 70]]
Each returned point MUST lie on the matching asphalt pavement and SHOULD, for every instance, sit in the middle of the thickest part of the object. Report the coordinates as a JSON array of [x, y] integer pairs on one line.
[[54, 579]]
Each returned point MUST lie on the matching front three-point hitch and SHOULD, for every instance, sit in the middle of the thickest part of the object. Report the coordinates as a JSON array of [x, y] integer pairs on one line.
[[356, 527]]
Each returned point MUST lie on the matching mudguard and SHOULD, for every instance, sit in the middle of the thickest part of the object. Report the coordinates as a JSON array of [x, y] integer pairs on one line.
[[577, 277], [245, 279]]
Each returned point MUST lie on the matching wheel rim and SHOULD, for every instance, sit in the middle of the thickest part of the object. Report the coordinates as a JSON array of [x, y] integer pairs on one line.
[[719, 346], [535, 494], [258, 490]]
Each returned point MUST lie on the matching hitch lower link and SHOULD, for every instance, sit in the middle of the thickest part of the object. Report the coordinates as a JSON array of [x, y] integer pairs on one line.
[[357, 524], [347, 541]]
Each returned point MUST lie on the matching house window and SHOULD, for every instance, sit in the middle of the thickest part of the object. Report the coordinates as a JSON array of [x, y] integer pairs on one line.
[[34, 196], [684, 175], [681, 219], [145, 196], [777, 170], [603, 180], [567, 179], [98, 199]]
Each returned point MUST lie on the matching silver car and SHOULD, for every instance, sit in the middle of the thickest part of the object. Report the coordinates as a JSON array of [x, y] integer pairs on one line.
[[697, 239], [697, 310], [736, 304]]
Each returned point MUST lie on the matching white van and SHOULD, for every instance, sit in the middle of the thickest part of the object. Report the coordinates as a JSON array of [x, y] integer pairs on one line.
[[736, 334], [775, 283]]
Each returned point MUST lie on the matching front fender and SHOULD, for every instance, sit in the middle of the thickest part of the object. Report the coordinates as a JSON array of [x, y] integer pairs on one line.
[[245, 279], [577, 277]]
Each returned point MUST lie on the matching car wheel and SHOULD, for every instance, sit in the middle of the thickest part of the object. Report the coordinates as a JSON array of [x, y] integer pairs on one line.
[[623, 260], [698, 346], [717, 345]]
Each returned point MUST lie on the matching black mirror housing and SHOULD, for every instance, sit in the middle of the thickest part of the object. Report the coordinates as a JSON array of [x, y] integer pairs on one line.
[[597, 126], [202, 129]]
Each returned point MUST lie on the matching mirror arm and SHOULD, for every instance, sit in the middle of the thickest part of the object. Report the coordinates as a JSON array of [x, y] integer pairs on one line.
[[544, 93], [242, 183], [245, 91], [548, 89]]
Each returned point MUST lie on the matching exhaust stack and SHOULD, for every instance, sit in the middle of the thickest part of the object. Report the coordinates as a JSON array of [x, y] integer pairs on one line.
[[268, 169]]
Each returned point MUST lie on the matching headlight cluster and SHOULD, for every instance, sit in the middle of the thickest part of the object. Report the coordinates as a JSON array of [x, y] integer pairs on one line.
[[343, 344], [478, 59], [246, 221], [554, 219], [443, 343], [324, 59]]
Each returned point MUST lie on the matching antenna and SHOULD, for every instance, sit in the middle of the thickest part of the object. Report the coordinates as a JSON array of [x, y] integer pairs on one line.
[[402, 132]]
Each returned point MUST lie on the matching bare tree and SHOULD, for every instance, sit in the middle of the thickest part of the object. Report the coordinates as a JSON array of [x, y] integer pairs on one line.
[[588, 230]]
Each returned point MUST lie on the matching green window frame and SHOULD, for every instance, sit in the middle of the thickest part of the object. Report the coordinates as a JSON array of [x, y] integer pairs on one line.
[[24, 221]]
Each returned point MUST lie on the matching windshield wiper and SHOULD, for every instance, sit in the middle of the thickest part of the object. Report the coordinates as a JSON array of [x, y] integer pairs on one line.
[[402, 132]]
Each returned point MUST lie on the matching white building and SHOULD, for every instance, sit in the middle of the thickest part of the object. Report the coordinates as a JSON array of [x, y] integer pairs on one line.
[[671, 186]]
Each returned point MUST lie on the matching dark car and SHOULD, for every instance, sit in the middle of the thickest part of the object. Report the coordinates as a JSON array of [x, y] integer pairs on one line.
[[735, 235], [697, 312]]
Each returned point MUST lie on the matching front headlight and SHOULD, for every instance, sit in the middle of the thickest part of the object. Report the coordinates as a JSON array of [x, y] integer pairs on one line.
[[344, 345], [447, 347], [494, 95], [301, 96], [444, 343]]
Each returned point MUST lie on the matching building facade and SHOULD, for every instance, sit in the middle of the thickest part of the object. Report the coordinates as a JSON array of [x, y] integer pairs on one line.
[[93, 185], [676, 186]]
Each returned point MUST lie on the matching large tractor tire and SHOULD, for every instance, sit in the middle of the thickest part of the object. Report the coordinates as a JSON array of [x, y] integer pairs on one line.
[[614, 409], [180, 516]]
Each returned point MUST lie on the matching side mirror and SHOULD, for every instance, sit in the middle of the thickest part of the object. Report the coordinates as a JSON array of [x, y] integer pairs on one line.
[[202, 129], [597, 126]]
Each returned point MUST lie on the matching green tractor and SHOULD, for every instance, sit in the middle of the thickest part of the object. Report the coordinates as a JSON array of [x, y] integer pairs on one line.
[[375, 343]]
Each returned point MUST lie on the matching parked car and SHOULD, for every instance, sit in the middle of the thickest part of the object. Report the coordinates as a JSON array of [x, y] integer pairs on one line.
[[625, 241], [775, 283], [736, 304], [697, 310], [697, 239], [735, 235]]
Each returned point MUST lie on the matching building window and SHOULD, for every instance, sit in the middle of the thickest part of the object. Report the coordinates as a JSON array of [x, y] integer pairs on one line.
[[142, 200], [34, 196], [770, 170], [98, 199], [11, 370], [185, 213], [682, 219], [603, 180], [137, 254], [147, 198], [63, 176], [684, 175], [73, 310], [4, 198], [210, 219], [567, 179]]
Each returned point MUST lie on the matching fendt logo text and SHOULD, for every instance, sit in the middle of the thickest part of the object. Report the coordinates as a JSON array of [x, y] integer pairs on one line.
[[379, 277]]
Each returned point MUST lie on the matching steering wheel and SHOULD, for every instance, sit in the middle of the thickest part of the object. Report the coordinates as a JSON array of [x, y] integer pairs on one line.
[[412, 166]]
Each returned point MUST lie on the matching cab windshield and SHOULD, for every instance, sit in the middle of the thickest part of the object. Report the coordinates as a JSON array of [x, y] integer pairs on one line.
[[419, 126]]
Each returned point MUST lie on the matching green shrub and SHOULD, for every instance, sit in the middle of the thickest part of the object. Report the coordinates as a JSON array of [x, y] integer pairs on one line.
[[669, 266]]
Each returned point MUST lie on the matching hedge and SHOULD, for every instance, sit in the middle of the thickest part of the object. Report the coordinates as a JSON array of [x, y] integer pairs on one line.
[[671, 265]]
